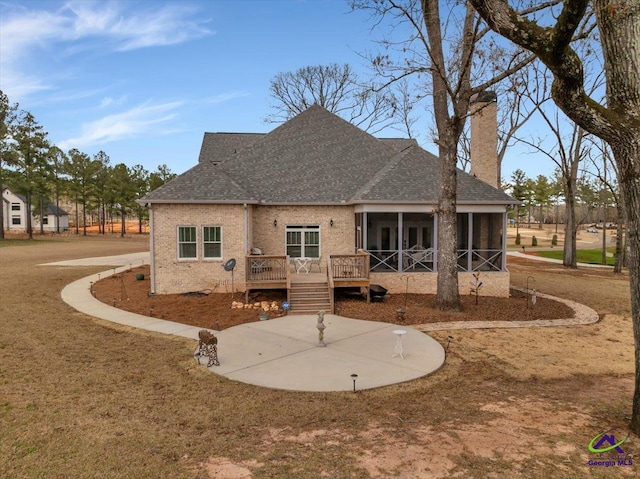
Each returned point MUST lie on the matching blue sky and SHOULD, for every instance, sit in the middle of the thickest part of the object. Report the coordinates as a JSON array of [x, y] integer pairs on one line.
[[143, 80]]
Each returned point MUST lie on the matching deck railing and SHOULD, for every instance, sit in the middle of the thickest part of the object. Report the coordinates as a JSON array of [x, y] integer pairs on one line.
[[349, 266], [267, 268], [480, 260]]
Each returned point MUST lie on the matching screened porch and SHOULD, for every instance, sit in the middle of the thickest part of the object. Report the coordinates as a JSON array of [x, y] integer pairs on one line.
[[407, 242]]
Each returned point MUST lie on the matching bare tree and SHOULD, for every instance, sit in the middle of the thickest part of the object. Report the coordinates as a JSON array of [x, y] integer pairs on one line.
[[516, 106], [567, 154], [568, 148], [617, 121], [457, 57], [605, 171], [338, 89]]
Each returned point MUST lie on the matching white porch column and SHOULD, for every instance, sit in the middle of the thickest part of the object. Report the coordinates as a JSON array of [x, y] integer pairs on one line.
[[365, 231], [470, 242], [504, 241], [400, 241]]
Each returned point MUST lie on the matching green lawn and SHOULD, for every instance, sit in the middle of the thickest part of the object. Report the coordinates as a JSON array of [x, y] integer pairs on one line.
[[592, 256]]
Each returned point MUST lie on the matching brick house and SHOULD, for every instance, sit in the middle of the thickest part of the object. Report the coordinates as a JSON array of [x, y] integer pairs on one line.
[[318, 197]]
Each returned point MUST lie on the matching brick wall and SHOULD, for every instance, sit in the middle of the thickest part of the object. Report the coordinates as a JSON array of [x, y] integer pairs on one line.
[[493, 283], [484, 142], [336, 239], [178, 276]]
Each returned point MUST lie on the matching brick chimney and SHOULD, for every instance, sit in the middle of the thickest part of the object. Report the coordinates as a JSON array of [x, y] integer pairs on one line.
[[484, 138]]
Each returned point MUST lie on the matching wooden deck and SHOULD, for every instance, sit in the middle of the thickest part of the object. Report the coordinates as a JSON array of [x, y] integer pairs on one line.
[[275, 272]]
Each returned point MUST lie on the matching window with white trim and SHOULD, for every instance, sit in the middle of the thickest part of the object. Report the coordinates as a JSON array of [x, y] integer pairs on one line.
[[187, 242], [15, 220], [212, 242], [15, 206], [303, 241]]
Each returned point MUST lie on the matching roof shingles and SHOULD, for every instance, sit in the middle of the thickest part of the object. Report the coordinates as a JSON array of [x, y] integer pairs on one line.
[[315, 158]]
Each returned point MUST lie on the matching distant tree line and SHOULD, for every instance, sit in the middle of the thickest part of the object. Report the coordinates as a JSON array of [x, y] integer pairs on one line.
[[40, 171]]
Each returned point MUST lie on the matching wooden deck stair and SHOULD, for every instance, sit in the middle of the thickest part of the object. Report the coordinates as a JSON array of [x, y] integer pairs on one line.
[[309, 294]]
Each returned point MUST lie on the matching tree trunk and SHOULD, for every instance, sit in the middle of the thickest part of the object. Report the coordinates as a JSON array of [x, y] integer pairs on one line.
[[627, 156], [617, 122], [77, 217], [29, 224], [569, 260], [41, 215], [84, 218], [604, 241], [103, 219], [618, 23], [541, 217], [57, 209], [123, 223], [617, 267], [448, 297]]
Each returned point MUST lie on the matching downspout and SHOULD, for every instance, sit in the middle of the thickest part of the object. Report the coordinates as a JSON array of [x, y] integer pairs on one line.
[[245, 219], [152, 248]]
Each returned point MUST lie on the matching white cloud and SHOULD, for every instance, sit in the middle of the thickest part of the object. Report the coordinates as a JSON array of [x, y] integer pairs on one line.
[[222, 97], [168, 25], [140, 120], [106, 101], [24, 31]]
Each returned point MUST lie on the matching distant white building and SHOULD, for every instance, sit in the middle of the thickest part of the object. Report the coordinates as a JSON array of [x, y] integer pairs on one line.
[[14, 218]]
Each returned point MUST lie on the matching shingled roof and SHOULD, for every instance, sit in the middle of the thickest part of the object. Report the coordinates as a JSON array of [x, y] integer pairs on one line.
[[217, 146], [315, 158]]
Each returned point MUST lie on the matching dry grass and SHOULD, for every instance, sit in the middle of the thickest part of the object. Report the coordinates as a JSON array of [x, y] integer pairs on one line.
[[83, 398], [214, 311]]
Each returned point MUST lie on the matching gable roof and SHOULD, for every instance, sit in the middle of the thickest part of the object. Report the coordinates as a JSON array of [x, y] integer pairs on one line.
[[52, 209], [315, 158]]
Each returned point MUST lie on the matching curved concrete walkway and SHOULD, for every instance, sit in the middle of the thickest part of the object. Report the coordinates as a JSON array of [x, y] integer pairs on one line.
[[283, 353]]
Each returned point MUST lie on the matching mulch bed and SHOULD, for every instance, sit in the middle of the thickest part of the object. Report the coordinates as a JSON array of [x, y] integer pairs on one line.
[[214, 310]]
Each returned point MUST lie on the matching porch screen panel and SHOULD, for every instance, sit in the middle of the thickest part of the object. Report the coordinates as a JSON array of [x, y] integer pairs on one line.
[[487, 241], [464, 253]]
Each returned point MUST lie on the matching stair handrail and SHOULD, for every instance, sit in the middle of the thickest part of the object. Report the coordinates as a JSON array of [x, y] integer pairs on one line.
[[331, 283], [288, 276]]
